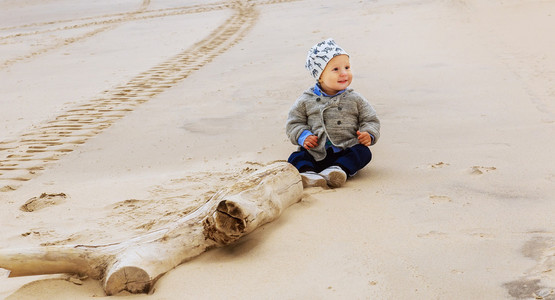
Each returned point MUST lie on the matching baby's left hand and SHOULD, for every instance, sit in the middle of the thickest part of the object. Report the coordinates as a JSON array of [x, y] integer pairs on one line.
[[364, 138]]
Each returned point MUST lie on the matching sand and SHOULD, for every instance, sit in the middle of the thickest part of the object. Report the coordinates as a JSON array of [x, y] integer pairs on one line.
[[126, 116]]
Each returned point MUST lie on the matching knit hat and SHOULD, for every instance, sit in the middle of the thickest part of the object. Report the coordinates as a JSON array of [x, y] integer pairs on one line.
[[319, 56]]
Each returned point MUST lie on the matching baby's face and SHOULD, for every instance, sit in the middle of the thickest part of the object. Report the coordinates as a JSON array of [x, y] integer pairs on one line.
[[337, 75]]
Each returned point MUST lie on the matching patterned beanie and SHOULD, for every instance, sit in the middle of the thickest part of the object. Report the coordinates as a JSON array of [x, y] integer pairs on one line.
[[319, 56]]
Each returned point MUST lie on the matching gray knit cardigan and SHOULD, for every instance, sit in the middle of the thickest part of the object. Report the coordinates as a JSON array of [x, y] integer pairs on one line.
[[335, 119]]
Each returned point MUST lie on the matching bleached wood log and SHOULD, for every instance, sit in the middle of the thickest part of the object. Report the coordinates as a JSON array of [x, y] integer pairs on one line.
[[135, 265]]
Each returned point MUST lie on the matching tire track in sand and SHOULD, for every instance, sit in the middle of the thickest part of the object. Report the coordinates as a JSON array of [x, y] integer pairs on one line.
[[106, 22], [25, 157], [67, 41], [142, 13]]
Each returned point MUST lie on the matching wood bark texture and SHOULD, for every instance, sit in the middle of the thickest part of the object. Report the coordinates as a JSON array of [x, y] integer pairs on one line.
[[135, 265]]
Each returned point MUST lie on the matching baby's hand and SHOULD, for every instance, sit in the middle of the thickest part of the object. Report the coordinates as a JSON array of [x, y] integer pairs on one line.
[[364, 138], [310, 142]]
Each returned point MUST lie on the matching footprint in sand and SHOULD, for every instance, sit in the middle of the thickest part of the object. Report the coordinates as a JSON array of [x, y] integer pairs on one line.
[[43, 201], [436, 199], [8, 188], [438, 165], [479, 170]]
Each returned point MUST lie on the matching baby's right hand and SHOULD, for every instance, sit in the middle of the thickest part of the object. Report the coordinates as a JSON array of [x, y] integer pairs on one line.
[[310, 142]]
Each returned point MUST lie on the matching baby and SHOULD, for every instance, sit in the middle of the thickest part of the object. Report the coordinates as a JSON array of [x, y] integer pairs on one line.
[[332, 124]]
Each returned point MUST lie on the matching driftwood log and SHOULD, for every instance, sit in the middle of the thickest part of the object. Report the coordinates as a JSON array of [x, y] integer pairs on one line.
[[135, 265]]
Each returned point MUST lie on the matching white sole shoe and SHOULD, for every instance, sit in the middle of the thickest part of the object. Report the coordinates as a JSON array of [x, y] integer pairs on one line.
[[335, 176], [313, 179]]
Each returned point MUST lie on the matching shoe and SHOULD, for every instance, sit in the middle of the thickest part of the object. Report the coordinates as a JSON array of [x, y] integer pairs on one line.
[[313, 179], [335, 176]]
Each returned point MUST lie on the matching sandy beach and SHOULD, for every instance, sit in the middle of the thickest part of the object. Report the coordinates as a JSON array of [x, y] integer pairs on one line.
[[117, 118]]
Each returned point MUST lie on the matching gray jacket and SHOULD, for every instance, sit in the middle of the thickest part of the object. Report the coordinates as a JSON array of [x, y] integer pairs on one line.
[[336, 119]]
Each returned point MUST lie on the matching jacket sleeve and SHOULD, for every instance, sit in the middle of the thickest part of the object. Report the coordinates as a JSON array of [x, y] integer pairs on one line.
[[297, 121], [368, 119]]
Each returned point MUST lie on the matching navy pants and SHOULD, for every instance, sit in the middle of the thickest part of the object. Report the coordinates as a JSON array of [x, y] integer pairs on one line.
[[350, 160]]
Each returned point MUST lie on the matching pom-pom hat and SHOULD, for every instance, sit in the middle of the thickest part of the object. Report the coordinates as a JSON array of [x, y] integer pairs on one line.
[[319, 56]]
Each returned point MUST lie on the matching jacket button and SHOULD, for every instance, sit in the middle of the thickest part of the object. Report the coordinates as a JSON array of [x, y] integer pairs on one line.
[[317, 99], [338, 122], [339, 108]]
